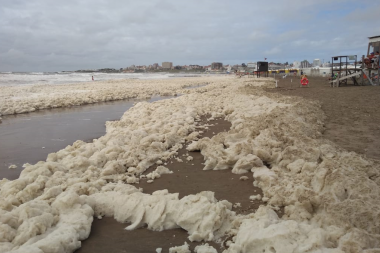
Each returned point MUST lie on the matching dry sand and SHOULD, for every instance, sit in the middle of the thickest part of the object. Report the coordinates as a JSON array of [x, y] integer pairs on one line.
[[353, 112]]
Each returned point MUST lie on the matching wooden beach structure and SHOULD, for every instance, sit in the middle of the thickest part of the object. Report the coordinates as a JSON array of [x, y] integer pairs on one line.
[[346, 68]]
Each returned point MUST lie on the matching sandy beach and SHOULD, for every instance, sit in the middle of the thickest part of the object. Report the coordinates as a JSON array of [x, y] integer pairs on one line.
[[237, 164], [352, 115]]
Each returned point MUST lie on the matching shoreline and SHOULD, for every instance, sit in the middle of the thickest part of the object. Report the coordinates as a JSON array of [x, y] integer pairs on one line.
[[24, 99], [30, 137]]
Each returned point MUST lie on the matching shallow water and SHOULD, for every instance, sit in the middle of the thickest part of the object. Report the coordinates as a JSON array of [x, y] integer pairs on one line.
[[30, 137]]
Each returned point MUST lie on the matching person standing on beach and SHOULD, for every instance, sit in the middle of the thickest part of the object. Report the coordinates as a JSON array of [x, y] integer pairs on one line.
[[92, 78]]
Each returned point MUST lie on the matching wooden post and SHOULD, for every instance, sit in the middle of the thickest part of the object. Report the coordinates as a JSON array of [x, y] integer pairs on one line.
[[378, 69], [362, 69]]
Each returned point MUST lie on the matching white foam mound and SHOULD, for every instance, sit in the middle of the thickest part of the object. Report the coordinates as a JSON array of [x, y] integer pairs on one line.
[[265, 232], [330, 197], [205, 248], [161, 170], [180, 249], [201, 215]]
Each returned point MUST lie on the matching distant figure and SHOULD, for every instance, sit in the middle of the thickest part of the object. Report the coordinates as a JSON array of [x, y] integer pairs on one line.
[[301, 73], [92, 78]]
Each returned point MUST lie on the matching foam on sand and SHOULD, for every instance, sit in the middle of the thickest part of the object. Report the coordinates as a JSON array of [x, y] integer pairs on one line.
[[22, 99], [330, 196]]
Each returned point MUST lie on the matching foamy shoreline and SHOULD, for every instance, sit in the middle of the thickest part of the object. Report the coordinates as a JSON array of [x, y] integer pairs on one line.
[[23, 99], [330, 196]]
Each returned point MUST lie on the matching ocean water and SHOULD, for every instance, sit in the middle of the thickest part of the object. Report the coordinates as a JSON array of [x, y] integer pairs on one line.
[[32, 78], [30, 137]]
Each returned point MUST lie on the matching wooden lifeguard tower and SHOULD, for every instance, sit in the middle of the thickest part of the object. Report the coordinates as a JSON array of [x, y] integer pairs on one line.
[[346, 68]]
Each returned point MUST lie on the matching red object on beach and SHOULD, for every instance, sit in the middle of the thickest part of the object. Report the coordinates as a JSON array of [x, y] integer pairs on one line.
[[304, 81]]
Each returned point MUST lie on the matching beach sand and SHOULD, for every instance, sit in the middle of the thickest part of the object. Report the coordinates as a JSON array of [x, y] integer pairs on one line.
[[299, 170], [352, 112], [353, 122], [188, 178]]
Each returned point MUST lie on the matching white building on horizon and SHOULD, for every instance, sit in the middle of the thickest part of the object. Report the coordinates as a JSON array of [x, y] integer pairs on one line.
[[167, 65], [296, 64], [317, 63], [326, 65], [251, 64]]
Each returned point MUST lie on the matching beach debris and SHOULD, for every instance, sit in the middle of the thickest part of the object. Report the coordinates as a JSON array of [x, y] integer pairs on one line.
[[13, 166]]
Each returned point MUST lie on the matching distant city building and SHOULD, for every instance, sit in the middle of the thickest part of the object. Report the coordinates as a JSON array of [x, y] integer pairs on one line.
[[167, 65], [142, 67], [273, 66], [155, 66], [251, 64], [305, 64], [216, 66], [296, 64], [326, 64], [194, 67], [316, 63]]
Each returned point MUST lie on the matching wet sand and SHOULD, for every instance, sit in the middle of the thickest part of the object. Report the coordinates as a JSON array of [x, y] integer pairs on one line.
[[353, 115], [30, 137], [188, 178]]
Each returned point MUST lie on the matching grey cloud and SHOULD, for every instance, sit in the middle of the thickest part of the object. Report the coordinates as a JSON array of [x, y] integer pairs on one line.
[[42, 35]]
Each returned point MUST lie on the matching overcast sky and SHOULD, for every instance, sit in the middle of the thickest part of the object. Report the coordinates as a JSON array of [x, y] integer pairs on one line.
[[47, 35]]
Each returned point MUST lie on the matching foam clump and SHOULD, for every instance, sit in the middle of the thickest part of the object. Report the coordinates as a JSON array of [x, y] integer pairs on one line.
[[180, 249], [201, 215], [205, 248], [255, 197], [265, 232], [13, 166], [161, 170]]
